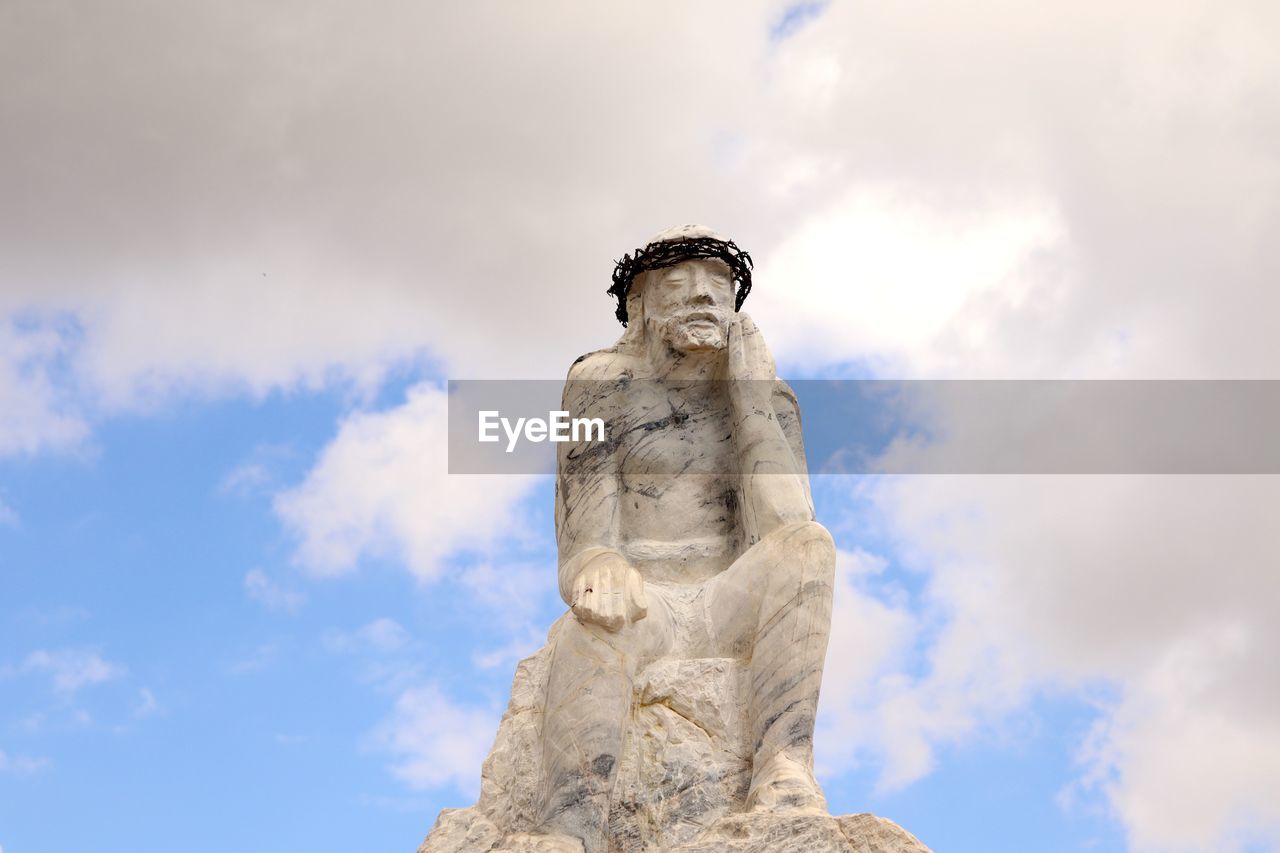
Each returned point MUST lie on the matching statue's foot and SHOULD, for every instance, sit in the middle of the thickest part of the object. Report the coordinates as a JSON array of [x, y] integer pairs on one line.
[[785, 786], [529, 842]]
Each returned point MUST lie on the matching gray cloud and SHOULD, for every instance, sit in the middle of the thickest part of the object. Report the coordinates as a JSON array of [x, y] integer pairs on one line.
[[232, 198]]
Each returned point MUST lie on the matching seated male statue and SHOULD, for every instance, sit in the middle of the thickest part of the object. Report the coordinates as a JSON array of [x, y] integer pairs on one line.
[[689, 532]]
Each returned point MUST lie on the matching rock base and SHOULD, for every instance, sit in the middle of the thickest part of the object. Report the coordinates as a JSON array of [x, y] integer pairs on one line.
[[858, 833], [467, 831], [682, 778]]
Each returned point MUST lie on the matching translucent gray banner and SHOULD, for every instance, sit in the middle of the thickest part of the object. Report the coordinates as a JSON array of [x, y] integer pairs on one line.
[[883, 426]]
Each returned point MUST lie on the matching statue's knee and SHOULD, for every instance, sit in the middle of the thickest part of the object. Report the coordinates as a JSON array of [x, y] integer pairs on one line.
[[807, 536], [814, 533], [806, 552]]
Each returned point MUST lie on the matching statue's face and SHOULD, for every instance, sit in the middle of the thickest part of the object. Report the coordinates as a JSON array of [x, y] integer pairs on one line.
[[690, 304]]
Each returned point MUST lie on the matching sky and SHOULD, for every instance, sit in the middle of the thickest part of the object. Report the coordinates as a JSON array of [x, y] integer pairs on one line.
[[243, 247]]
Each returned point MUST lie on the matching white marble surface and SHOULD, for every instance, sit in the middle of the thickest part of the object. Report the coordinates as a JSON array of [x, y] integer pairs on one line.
[[673, 707], [682, 779]]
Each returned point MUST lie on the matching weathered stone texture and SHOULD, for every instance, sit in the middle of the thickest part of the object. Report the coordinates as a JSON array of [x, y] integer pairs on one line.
[[673, 708], [684, 772]]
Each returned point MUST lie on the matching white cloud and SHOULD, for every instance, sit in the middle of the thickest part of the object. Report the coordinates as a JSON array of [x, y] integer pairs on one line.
[[1079, 185], [1188, 758], [39, 412], [261, 657], [380, 635], [868, 644], [383, 652], [8, 516], [511, 589], [432, 740], [257, 474], [436, 742], [1158, 589], [525, 640], [22, 765], [1142, 174], [306, 247], [72, 669], [269, 594], [887, 272], [146, 705], [244, 479], [382, 489]]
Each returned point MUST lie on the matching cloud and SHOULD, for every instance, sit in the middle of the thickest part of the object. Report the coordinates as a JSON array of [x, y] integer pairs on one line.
[[1055, 190], [55, 616], [1074, 189], [380, 635], [1155, 590], [1188, 757], [870, 638], [887, 273], [261, 657], [146, 705], [436, 742], [384, 653], [513, 590], [309, 193], [432, 740], [22, 765], [381, 489], [966, 120], [258, 474], [40, 412], [72, 669], [244, 479], [269, 594], [8, 516]]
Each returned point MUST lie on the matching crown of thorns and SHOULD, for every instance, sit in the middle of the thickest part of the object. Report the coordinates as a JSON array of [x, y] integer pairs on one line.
[[668, 253]]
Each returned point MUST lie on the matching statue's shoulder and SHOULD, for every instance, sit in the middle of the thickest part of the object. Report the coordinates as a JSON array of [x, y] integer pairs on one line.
[[604, 365], [785, 395], [599, 383], [786, 406]]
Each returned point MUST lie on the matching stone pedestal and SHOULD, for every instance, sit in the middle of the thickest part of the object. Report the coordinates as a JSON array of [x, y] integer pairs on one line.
[[682, 780]]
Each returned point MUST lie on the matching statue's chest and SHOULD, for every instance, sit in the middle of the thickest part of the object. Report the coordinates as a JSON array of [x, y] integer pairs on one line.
[[673, 434]]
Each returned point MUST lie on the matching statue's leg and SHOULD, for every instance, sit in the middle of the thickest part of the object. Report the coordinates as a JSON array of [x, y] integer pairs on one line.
[[589, 692], [773, 605]]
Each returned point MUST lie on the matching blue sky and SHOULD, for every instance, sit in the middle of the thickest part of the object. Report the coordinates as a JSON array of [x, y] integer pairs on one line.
[[244, 247], [193, 699]]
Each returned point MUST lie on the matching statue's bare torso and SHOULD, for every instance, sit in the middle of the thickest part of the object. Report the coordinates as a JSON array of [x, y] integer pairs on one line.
[[673, 463], [677, 454]]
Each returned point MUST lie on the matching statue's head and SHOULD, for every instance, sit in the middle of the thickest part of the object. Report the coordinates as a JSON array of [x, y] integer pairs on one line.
[[689, 305], [683, 286]]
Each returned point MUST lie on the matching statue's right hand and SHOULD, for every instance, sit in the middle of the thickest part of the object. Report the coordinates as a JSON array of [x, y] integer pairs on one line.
[[609, 592]]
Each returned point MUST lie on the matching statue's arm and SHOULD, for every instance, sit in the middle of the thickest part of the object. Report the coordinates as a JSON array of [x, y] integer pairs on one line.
[[774, 482], [787, 409], [587, 485]]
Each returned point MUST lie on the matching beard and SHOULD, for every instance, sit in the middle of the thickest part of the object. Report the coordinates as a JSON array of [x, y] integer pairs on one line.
[[695, 331]]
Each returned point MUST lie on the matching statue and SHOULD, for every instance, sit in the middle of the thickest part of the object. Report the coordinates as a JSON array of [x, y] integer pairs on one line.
[[687, 537]]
